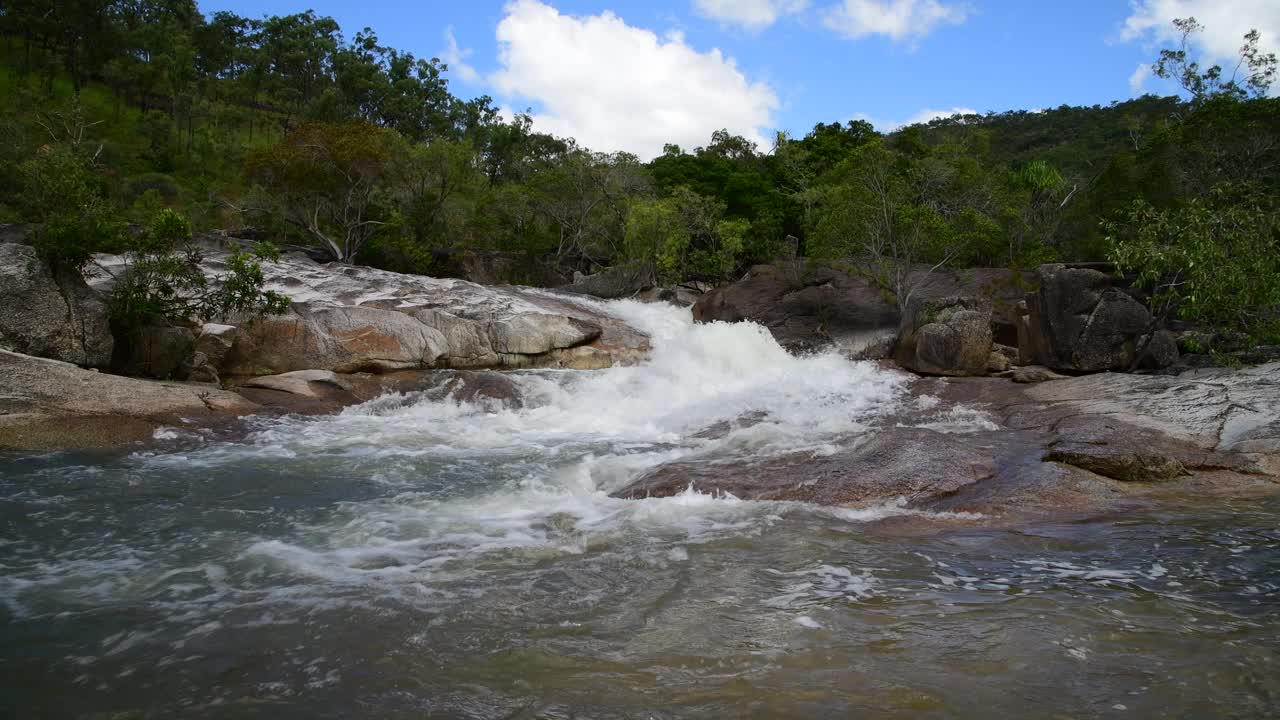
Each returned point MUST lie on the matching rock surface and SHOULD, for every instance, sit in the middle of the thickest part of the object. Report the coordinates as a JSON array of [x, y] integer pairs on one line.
[[946, 336], [48, 404], [807, 306], [355, 319], [985, 445], [61, 318], [1079, 320]]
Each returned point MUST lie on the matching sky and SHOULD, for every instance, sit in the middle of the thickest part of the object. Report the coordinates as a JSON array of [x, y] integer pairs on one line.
[[634, 75]]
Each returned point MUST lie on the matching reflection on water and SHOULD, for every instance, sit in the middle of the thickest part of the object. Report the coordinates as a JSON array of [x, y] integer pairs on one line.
[[430, 559]]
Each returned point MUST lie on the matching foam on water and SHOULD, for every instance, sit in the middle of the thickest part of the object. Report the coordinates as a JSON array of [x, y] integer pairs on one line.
[[709, 392]]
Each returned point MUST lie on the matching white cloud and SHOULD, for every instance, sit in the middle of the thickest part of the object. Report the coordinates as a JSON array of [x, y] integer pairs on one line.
[[898, 19], [456, 58], [749, 14], [1225, 24], [924, 116], [1138, 80], [617, 87]]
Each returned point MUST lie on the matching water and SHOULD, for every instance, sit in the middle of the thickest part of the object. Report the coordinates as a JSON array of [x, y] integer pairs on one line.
[[411, 558]]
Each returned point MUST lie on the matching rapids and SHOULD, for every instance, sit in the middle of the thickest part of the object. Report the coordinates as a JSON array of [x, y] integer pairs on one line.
[[413, 557]]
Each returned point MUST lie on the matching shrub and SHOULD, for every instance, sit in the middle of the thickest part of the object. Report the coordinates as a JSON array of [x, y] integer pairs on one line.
[[1213, 260], [165, 283]]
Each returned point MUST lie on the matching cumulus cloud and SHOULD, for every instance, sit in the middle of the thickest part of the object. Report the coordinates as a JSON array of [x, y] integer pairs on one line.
[[456, 58], [924, 116], [617, 87], [1138, 80], [748, 14], [897, 19], [1225, 23]]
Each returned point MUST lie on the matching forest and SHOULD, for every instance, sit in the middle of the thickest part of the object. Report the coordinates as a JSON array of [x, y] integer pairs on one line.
[[149, 113]]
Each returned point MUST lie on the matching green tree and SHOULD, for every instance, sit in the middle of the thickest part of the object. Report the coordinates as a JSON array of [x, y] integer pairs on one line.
[[325, 180]]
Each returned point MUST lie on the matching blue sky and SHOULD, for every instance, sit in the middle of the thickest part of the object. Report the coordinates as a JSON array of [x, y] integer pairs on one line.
[[632, 74]]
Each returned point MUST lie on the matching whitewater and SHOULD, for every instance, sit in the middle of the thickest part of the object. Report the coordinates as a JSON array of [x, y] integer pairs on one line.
[[421, 556]]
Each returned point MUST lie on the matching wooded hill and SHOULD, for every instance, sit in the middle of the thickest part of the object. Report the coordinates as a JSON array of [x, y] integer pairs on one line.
[[116, 109]]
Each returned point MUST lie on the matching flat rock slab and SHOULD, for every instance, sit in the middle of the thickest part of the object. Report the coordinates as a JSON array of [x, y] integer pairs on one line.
[[1072, 446], [47, 404]]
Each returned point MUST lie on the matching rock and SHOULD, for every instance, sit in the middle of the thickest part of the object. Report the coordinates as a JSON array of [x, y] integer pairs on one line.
[[997, 362], [467, 340], [215, 342], [59, 318], [342, 339], [877, 346], [198, 369], [998, 451], [350, 318], [884, 465], [1119, 463], [808, 305], [615, 282], [1030, 374], [486, 387], [537, 333], [160, 352], [946, 336], [15, 233], [300, 382], [47, 404], [1078, 320]]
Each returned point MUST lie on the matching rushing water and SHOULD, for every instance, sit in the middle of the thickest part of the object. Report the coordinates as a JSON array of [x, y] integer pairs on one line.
[[411, 558]]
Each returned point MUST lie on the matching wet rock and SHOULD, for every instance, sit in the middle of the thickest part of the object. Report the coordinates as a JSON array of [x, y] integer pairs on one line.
[[60, 318], [465, 386], [51, 404], [1077, 446], [875, 468], [808, 305], [1030, 374], [307, 383], [615, 282], [946, 336], [538, 333]]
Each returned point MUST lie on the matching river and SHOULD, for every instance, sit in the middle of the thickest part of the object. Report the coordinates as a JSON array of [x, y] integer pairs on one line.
[[428, 558]]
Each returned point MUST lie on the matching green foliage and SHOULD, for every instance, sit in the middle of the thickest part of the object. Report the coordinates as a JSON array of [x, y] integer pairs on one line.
[[61, 191], [1214, 261], [164, 283]]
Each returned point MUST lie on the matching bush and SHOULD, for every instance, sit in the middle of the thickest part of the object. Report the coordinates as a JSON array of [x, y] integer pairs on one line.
[[164, 282], [61, 191], [1213, 261]]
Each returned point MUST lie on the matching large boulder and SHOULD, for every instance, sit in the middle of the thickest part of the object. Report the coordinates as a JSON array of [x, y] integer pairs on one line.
[[468, 341], [810, 305], [54, 317], [51, 404], [615, 282], [350, 319], [343, 339], [1078, 319], [946, 336], [537, 333]]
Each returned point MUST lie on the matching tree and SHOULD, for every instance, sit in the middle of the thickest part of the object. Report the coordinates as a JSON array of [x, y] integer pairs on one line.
[[1251, 78], [325, 178]]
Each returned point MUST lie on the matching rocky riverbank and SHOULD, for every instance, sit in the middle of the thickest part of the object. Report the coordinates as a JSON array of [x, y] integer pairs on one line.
[[962, 438]]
